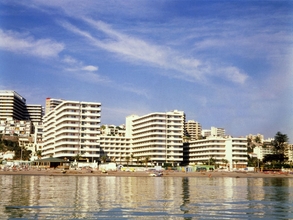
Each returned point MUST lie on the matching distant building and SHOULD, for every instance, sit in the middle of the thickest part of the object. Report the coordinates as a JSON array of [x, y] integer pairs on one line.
[[12, 127], [112, 130], [37, 139], [34, 113], [193, 130], [72, 129], [214, 132], [51, 104], [13, 105]]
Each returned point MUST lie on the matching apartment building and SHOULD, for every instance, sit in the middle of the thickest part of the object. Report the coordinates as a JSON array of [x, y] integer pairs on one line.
[[234, 150], [157, 136], [193, 130], [116, 148], [72, 129]]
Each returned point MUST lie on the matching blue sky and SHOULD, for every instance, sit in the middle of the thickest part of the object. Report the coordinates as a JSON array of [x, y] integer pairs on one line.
[[224, 63]]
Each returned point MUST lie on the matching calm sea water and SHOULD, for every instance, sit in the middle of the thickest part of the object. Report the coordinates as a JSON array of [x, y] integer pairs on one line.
[[89, 197]]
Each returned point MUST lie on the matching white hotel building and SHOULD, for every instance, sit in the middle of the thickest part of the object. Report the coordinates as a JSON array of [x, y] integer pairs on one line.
[[234, 150], [157, 136], [72, 128]]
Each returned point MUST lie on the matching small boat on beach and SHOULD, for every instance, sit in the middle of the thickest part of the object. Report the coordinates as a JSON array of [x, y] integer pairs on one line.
[[156, 174]]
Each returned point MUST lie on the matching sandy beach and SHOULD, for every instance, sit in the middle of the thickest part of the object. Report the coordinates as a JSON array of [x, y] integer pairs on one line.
[[84, 172]]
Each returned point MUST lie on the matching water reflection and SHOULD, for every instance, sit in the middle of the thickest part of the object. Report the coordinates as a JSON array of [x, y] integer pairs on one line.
[[73, 197]]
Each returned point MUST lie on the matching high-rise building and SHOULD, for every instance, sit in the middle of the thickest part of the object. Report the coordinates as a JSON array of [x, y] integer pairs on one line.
[[72, 129], [193, 130], [157, 137], [13, 105]]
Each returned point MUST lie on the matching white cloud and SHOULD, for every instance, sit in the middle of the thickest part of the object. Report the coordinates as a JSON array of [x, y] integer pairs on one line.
[[90, 68], [75, 65], [26, 44], [134, 49], [234, 74]]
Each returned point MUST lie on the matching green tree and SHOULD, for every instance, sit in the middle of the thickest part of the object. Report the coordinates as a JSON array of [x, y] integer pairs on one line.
[[39, 154], [280, 143], [77, 157], [104, 158], [212, 161]]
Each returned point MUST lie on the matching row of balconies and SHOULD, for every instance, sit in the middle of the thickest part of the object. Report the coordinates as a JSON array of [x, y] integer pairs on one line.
[[143, 134], [157, 117], [158, 137], [161, 141], [197, 149], [112, 144], [107, 140], [148, 128]]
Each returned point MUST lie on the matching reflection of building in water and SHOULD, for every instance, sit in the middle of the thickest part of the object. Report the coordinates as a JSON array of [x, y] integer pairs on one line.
[[185, 195], [88, 197]]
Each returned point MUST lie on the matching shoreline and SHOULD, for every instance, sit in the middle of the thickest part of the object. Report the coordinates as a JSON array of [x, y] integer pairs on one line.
[[166, 173]]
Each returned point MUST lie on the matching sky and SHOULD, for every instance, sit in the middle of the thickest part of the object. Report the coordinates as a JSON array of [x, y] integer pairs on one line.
[[225, 64]]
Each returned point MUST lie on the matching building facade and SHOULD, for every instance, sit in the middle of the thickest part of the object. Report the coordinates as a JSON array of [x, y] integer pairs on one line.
[[229, 152], [116, 149], [157, 137], [72, 129]]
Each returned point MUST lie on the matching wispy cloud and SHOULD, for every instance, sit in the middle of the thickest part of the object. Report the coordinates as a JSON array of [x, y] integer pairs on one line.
[[88, 73], [135, 49], [26, 44], [75, 65]]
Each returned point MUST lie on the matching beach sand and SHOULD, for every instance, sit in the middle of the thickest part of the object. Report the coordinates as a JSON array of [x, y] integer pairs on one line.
[[84, 172]]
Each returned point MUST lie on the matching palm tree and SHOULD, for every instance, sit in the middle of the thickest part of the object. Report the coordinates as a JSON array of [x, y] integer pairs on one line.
[[77, 157], [104, 158], [39, 154]]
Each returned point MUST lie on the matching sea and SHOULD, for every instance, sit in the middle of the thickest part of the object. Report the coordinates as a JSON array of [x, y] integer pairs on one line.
[[108, 197]]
